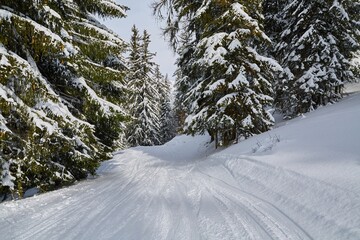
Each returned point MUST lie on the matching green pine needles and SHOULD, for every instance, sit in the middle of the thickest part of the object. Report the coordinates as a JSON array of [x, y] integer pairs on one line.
[[231, 71], [69, 97], [62, 92], [149, 103], [224, 80], [314, 41]]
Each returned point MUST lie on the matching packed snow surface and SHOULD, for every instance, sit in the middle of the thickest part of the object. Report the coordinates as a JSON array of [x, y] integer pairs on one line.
[[298, 181]]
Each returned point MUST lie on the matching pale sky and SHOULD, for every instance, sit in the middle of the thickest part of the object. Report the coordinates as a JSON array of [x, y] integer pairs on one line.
[[140, 14]]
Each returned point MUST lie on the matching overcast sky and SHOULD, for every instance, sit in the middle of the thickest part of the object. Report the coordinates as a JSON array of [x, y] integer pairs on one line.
[[140, 14]]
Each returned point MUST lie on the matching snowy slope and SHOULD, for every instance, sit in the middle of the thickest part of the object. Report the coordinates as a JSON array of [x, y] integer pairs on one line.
[[298, 181]]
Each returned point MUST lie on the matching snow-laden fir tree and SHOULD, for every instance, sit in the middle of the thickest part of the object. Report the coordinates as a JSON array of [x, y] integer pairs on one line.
[[166, 116], [180, 107], [314, 45], [354, 14], [58, 97], [183, 81], [272, 12], [230, 80], [144, 108]]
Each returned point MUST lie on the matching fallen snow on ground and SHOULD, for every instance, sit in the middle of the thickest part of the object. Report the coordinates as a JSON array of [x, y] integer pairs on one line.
[[298, 181], [352, 87]]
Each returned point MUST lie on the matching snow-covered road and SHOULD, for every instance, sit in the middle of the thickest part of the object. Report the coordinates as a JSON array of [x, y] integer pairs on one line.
[[185, 190], [143, 196]]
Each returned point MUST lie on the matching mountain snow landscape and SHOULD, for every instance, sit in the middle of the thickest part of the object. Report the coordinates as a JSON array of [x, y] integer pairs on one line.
[[255, 134], [300, 180]]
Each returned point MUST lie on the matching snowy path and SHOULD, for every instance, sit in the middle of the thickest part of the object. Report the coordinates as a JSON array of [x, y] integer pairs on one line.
[[141, 196], [184, 190], [148, 198]]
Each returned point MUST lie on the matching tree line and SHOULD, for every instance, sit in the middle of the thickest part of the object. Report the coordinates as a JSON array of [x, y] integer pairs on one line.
[[70, 95], [239, 59], [72, 91]]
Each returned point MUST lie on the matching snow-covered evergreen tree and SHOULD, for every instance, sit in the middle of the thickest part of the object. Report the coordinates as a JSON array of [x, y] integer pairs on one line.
[[272, 12], [354, 14], [230, 82], [144, 109], [55, 121], [314, 45], [185, 77], [166, 115], [180, 107]]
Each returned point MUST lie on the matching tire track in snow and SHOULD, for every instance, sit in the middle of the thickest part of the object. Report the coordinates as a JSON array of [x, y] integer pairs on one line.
[[265, 201], [99, 206], [263, 217], [120, 209], [308, 196], [146, 197], [244, 227]]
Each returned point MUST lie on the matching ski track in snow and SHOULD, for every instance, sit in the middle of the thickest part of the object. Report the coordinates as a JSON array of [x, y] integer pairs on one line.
[[184, 190], [149, 198]]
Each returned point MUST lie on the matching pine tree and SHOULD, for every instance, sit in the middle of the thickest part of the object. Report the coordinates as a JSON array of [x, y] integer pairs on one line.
[[180, 107], [55, 124], [166, 116], [354, 14], [144, 128], [230, 82], [185, 77], [314, 45], [273, 20]]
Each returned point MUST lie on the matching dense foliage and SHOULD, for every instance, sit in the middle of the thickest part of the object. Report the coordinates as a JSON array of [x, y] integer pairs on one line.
[[149, 103], [231, 71], [69, 97], [224, 79], [314, 42], [61, 91]]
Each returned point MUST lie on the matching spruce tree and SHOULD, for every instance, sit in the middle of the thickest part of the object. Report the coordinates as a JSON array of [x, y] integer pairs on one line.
[[166, 116], [354, 14], [144, 128], [230, 81], [314, 45], [55, 124], [273, 20], [185, 77]]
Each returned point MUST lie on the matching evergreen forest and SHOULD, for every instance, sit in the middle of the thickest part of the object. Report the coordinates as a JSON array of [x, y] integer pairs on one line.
[[72, 91], [240, 61]]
